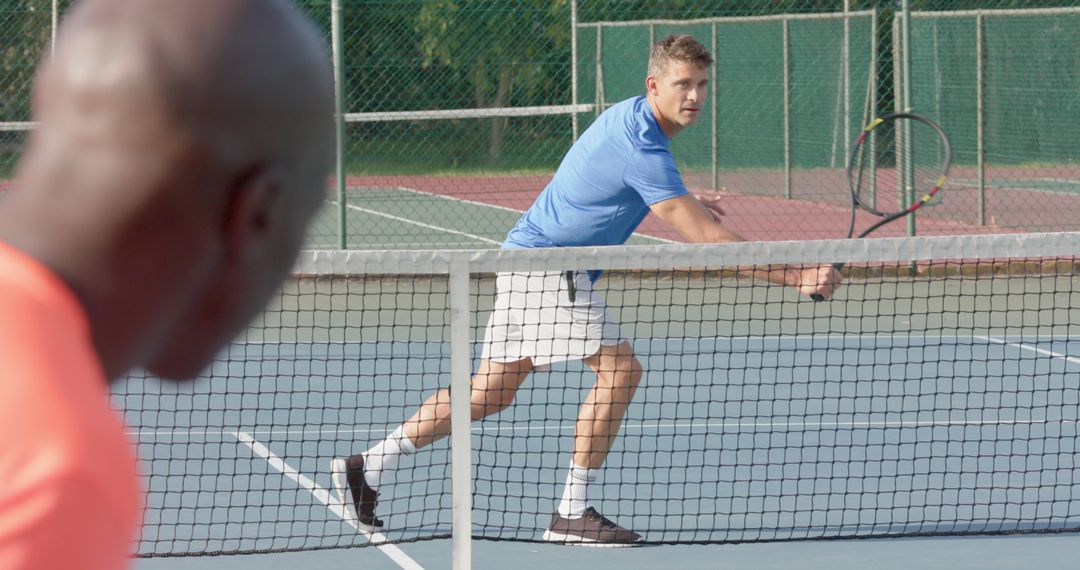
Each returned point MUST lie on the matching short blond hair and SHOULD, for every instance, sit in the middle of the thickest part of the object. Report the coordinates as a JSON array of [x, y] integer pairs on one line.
[[682, 48]]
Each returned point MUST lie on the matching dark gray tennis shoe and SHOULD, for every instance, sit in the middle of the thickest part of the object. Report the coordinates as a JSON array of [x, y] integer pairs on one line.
[[591, 529], [348, 478]]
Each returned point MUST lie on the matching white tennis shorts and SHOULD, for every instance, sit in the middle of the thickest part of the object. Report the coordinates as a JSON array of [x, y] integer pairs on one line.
[[534, 318]]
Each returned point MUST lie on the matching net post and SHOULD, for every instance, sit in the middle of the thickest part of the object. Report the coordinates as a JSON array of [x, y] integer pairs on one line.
[[460, 413], [339, 119]]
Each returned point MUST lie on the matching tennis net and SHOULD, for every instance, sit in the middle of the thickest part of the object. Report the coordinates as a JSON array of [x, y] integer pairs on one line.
[[935, 394]]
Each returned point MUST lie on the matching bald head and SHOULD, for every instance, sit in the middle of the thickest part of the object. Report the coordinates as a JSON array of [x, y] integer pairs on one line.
[[183, 146], [241, 77]]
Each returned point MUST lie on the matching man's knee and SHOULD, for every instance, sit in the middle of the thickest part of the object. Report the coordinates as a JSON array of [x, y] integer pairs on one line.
[[624, 371], [494, 388], [630, 371], [492, 400]]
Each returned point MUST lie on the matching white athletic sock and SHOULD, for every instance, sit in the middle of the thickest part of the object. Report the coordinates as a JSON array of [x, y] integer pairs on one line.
[[575, 497], [385, 455]]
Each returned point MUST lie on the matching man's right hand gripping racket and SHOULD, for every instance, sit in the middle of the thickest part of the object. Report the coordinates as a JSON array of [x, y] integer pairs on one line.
[[876, 166]]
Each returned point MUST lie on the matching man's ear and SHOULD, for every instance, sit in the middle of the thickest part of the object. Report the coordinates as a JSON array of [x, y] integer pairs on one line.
[[650, 85], [255, 199]]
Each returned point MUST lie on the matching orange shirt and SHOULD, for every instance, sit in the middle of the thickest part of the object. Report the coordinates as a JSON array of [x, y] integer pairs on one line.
[[69, 491]]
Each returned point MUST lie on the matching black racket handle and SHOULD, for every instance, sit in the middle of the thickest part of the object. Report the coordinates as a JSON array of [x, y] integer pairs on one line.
[[818, 296]]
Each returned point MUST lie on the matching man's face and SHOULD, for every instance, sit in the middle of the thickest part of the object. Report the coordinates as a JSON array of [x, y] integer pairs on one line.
[[679, 94]]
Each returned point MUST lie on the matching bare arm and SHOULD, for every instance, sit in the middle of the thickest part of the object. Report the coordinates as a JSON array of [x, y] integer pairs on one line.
[[698, 220], [694, 220]]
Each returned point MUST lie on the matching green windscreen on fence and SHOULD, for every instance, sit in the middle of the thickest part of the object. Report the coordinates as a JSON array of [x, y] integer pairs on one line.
[[1031, 70], [780, 83], [1029, 95], [1034, 87]]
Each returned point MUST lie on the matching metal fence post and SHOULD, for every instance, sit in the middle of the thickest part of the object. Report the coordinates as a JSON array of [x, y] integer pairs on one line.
[[574, 66], [980, 110], [907, 174], [339, 119], [715, 119], [787, 107]]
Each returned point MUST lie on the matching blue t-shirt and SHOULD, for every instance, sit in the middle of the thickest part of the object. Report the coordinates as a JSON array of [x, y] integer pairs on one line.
[[602, 191]]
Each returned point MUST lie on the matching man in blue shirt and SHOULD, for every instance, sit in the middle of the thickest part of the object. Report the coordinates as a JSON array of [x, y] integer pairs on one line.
[[614, 175]]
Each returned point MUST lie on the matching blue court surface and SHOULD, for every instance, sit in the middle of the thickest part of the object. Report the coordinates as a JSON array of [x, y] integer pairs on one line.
[[989, 553], [729, 439]]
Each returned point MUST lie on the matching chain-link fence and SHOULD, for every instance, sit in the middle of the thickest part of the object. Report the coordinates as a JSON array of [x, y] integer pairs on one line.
[[26, 28], [456, 114]]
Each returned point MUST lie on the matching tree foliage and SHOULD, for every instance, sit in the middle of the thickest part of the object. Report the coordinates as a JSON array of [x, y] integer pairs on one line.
[[25, 32], [452, 54]]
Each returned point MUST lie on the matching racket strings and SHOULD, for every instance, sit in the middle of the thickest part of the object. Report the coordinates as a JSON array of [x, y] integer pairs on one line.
[[887, 174]]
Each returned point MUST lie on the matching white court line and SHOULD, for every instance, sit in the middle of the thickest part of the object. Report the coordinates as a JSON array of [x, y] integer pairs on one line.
[[451, 199], [504, 208], [323, 496], [1048, 179], [1035, 349], [990, 183], [420, 224]]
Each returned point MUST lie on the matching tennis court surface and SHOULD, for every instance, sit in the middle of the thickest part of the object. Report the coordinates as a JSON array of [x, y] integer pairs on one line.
[[935, 395], [476, 211]]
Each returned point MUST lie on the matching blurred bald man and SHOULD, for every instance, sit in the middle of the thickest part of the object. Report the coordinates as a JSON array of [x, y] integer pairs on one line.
[[182, 148]]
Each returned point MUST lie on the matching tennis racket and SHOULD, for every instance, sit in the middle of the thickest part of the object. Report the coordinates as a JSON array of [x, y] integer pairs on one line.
[[880, 172]]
